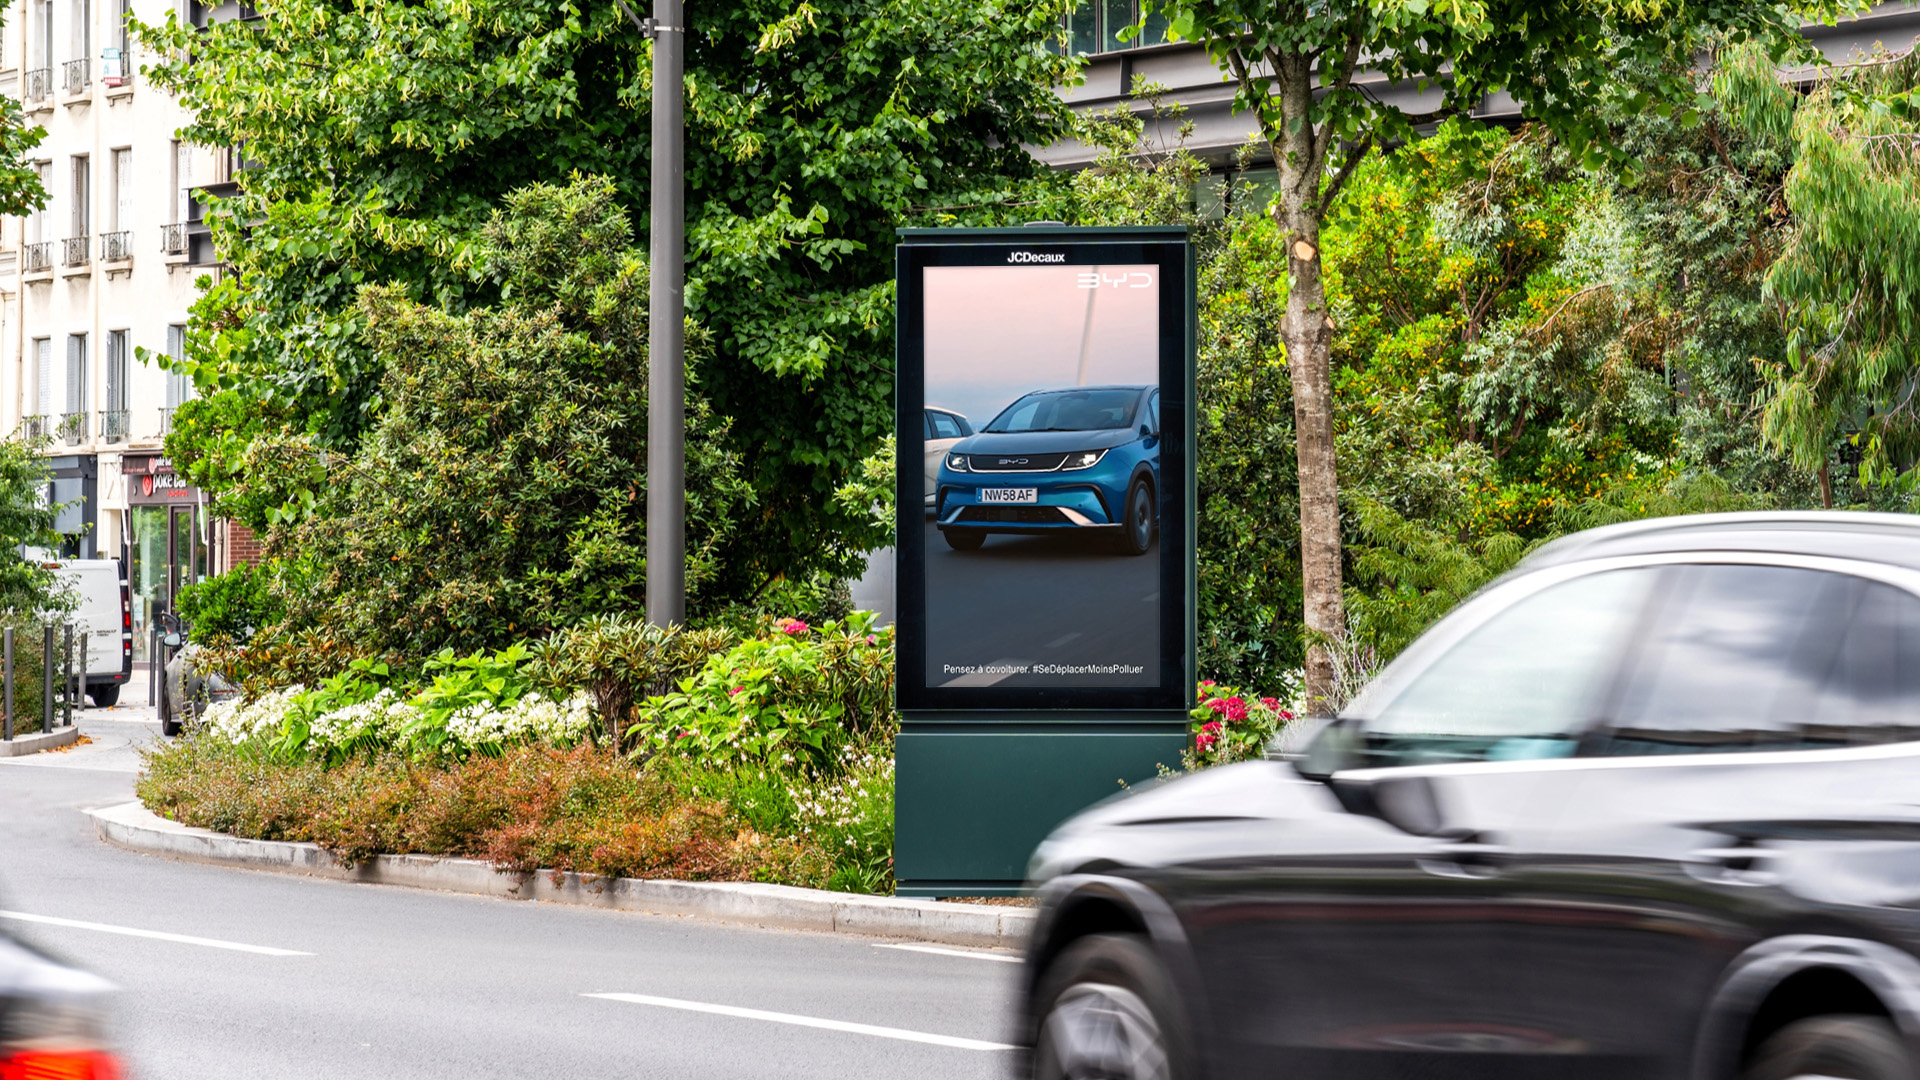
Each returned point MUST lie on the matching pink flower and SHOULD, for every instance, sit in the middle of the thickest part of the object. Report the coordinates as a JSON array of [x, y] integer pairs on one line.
[[1218, 704], [1211, 725], [871, 639], [1206, 682], [735, 690], [793, 626], [1236, 709], [1204, 742], [1270, 702], [686, 735], [1285, 714]]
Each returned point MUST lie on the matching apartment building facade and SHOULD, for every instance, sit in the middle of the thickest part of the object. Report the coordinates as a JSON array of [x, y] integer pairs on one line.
[[105, 271]]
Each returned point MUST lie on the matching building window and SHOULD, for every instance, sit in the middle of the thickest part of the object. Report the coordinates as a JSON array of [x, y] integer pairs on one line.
[[76, 373], [179, 386], [43, 376], [116, 371], [1095, 25], [183, 209], [37, 221], [82, 195], [122, 208], [82, 29]]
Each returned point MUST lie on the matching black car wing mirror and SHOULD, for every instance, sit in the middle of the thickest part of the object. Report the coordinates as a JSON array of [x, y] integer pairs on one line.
[[1408, 803], [1336, 746]]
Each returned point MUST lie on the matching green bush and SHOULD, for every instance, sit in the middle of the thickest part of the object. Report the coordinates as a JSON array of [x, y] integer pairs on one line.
[[232, 606], [799, 696]]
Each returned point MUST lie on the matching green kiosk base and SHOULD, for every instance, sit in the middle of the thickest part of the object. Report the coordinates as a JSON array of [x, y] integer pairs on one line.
[[977, 792]]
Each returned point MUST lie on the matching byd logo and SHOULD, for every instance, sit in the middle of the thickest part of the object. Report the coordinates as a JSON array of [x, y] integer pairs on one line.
[[1035, 257]]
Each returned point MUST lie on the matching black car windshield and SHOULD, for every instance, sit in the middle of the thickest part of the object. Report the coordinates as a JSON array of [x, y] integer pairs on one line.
[[1068, 410]]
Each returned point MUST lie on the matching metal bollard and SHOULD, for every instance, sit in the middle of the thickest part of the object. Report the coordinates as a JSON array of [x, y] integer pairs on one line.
[[46, 678], [66, 677], [6, 647], [153, 663], [81, 687]]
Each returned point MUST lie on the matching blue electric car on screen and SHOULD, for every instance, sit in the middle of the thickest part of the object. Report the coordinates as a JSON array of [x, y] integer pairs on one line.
[[1084, 459]]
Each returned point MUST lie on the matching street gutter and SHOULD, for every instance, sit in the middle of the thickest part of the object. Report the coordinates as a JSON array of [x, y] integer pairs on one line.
[[134, 827]]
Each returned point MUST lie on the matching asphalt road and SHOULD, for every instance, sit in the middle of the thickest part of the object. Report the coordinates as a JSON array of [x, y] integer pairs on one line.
[[396, 983], [1025, 600]]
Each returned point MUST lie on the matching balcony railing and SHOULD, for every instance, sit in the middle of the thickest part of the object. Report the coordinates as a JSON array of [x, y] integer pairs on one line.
[[76, 75], [114, 425], [73, 428], [75, 253], [37, 257], [33, 427], [37, 86], [116, 246], [173, 239]]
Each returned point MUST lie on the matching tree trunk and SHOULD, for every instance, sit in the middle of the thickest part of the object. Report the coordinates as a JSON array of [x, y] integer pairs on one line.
[[1826, 487], [1307, 333]]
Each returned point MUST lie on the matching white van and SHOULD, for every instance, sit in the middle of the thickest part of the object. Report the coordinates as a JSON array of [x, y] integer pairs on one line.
[[106, 614]]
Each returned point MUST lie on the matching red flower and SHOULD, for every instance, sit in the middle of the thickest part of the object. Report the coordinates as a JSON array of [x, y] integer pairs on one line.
[[1218, 704], [1236, 710], [1204, 742], [793, 626], [1285, 714], [1270, 702], [735, 690], [1206, 682], [1211, 725], [870, 639]]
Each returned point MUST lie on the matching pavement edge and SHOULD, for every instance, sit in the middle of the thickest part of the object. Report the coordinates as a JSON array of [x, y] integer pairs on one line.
[[22, 745], [132, 826]]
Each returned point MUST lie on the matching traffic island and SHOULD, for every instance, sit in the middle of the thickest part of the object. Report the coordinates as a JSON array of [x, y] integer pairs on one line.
[[21, 745], [132, 826]]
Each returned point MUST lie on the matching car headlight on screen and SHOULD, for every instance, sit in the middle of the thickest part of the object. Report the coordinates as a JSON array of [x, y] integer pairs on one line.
[[957, 462], [1084, 460]]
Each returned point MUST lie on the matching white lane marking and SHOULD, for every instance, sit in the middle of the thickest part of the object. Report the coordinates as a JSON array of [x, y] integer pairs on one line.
[[938, 951], [157, 935], [805, 1021]]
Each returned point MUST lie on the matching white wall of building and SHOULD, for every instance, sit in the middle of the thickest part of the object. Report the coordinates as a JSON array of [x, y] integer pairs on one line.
[[135, 176]]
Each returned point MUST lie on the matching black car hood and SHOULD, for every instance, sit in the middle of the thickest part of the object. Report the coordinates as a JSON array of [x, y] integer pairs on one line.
[[1043, 442], [1173, 821]]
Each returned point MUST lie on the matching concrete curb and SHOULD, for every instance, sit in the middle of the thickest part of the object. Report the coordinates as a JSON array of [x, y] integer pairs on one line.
[[133, 826], [40, 740]]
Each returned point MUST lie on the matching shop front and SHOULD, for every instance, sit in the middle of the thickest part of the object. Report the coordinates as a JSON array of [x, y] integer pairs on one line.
[[167, 540]]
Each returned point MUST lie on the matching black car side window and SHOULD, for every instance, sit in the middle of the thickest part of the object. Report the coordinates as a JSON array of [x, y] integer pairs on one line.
[[1526, 683], [1768, 658]]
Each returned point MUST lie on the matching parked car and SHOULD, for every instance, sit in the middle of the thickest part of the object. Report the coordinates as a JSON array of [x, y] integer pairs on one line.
[[943, 428], [186, 689], [105, 613], [1081, 459], [52, 1018], [1646, 807]]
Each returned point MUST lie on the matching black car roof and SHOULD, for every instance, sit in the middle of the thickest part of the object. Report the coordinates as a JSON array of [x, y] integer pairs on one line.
[[1885, 538]]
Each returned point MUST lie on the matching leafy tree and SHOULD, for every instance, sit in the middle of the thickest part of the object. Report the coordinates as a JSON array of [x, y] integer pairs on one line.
[[502, 492], [26, 519], [1849, 273], [1296, 65], [377, 136]]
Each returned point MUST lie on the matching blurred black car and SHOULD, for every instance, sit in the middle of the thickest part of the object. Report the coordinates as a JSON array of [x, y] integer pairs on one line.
[[52, 1019], [1647, 807]]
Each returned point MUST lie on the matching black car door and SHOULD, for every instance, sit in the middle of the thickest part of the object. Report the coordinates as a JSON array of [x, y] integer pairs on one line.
[[1659, 863], [1348, 948]]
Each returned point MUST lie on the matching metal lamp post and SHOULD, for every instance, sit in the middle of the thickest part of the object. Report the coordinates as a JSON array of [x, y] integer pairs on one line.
[[666, 322]]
